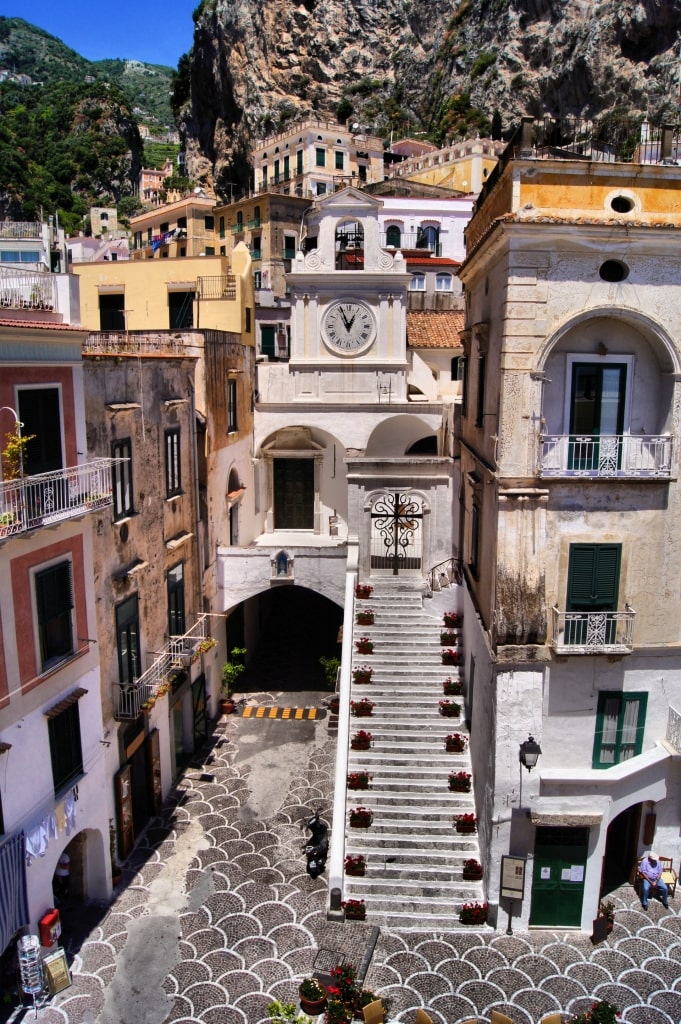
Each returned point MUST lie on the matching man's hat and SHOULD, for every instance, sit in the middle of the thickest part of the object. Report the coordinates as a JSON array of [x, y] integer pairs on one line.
[[652, 855]]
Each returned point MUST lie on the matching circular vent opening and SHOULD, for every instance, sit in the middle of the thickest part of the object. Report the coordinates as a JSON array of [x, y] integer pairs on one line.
[[613, 270], [622, 204]]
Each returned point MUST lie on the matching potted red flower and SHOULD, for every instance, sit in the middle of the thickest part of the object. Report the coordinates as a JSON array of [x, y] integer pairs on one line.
[[452, 687], [448, 637], [356, 865], [365, 617], [451, 657], [362, 674], [362, 740], [472, 870], [358, 780], [355, 910], [455, 743], [364, 645], [460, 782], [473, 913], [363, 591], [449, 708], [362, 708], [361, 817], [465, 824], [452, 620]]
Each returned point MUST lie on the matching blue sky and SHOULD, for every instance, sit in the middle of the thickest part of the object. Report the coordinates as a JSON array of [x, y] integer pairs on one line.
[[150, 31]]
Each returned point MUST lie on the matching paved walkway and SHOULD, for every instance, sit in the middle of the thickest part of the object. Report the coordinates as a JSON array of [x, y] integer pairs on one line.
[[218, 916]]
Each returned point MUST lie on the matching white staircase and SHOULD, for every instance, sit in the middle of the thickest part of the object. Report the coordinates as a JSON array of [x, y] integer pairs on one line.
[[413, 853]]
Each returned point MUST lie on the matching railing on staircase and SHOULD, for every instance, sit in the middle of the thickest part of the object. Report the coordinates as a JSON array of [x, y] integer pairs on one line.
[[443, 575]]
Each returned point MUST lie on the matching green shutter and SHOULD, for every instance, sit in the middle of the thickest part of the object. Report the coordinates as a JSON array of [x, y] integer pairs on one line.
[[620, 724], [593, 577]]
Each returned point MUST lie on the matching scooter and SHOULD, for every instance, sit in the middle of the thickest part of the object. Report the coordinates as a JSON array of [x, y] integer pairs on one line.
[[317, 847]]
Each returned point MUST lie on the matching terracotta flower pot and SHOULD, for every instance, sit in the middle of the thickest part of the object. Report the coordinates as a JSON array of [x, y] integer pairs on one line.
[[313, 1006]]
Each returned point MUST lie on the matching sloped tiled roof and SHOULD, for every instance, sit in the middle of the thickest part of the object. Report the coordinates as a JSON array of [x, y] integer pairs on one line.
[[423, 260], [434, 328], [43, 325]]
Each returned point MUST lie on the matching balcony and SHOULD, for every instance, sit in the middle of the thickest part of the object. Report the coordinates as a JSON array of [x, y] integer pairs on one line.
[[592, 632], [177, 654], [25, 289], [49, 498], [623, 456], [255, 223], [412, 241], [143, 343], [237, 229], [20, 229]]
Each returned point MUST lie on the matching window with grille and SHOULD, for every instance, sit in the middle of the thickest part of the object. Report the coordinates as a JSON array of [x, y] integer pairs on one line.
[[173, 474], [54, 602], [121, 478]]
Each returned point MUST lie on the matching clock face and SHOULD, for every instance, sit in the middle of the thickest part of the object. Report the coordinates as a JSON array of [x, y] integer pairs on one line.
[[348, 326]]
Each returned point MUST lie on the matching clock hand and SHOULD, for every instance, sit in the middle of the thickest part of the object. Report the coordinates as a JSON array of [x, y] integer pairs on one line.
[[344, 318], [349, 325]]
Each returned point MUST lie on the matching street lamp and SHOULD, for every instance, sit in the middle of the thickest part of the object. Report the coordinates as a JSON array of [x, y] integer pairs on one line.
[[529, 752]]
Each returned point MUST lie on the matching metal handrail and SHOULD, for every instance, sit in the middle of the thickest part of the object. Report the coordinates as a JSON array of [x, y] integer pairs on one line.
[[48, 498]]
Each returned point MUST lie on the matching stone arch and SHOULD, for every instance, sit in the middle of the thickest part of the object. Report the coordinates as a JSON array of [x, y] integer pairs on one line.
[[396, 435]]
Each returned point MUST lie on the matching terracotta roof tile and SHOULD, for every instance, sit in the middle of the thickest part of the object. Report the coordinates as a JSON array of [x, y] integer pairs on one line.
[[430, 328], [41, 324]]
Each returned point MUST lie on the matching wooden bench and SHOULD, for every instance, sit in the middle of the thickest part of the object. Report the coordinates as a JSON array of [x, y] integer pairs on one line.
[[669, 875]]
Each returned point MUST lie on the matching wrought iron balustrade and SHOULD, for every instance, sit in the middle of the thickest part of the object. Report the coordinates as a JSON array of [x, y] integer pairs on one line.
[[49, 498], [601, 632], [607, 455]]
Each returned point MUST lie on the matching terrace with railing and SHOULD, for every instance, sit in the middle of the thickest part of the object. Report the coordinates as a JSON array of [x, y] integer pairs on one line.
[[598, 632], [26, 289], [48, 498], [143, 343], [177, 653], [20, 229]]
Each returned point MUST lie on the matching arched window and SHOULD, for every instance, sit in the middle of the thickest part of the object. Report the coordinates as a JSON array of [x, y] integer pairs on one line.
[[428, 238], [417, 283], [393, 236], [443, 283]]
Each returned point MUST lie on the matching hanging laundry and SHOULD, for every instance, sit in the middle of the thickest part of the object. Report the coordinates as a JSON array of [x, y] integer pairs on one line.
[[70, 812]]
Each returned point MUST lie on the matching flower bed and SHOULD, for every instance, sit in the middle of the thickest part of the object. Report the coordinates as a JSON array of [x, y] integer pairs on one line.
[[455, 743], [452, 620], [472, 870], [450, 709], [356, 865], [460, 782], [452, 687], [362, 674], [365, 618], [451, 657], [362, 708], [364, 645], [466, 824], [361, 740], [363, 591], [361, 817], [473, 913], [358, 780], [355, 910]]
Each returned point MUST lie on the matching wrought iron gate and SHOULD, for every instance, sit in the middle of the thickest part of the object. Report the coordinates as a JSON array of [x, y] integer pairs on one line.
[[397, 532]]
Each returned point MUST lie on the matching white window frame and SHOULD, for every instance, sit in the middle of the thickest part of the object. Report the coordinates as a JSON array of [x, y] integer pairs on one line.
[[443, 282], [578, 357], [417, 283]]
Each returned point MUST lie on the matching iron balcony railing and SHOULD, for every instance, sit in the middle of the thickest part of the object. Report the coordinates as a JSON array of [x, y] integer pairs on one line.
[[411, 240], [616, 455], [49, 498], [25, 289], [218, 286], [592, 632], [444, 575], [237, 229], [129, 697], [254, 223]]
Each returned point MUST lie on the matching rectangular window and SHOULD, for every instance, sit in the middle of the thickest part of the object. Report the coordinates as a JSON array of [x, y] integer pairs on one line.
[[597, 410], [299, 162], [248, 320], [474, 560], [320, 156], [210, 250], [593, 587], [175, 580], [65, 747], [127, 640], [362, 172], [287, 168], [267, 335], [264, 176], [231, 406], [276, 172], [257, 280], [289, 247], [209, 223], [164, 228], [173, 475], [54, 602], [480, 402], [222, 227], [182, 223], [321, 188], [121, 479], [340, 161], [464, 386], [111, 314], [620, 723], [256, 252], [181, 310]]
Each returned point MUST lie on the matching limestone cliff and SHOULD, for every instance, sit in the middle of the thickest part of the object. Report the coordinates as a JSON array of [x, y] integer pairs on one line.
[[434, 65]]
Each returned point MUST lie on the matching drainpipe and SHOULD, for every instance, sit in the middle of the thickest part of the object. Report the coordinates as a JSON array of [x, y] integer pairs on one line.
[[198, 574], [337, 844]]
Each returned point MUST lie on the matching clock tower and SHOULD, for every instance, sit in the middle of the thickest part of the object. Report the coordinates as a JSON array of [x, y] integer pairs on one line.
[[348, 306]]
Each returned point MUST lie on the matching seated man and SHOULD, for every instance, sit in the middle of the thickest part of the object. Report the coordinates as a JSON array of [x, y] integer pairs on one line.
[[650, 870]]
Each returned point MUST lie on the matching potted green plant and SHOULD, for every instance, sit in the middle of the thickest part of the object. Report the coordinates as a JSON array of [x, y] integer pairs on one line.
[[361, 817], [14, 454], [448, 637], [364, 645], [472, 870], [330, 668], [365, 617], [362, 708], [362, 740], [337, 1012], [312, 996], [283, 1013], [606, 909], [449, 708], [602, 1012], [473, 913], [358, 780], [355, 910], [362, 674], [460, 782], [465, 824], [452, 687], [355, 865], [231, 671], [451, 657], [455, 743]]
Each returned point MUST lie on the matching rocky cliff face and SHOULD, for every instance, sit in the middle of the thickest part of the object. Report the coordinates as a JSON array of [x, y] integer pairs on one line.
[[433, 65]]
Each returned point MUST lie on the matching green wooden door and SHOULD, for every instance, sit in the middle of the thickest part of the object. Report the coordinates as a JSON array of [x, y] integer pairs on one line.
[[558, 877], [294, 494], [593, 586]]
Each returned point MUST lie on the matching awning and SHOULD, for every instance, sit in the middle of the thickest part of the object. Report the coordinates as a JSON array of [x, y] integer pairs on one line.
[[57, 709], [13, 901]]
